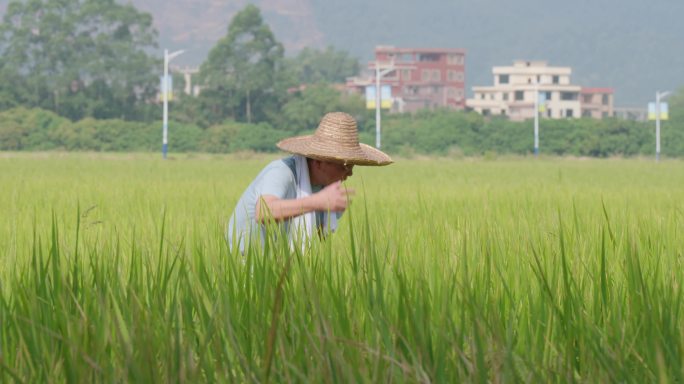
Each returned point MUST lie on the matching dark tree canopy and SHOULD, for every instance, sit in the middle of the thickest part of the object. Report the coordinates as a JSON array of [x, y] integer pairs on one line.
[[78, 58], [243, 75], [323, 66]]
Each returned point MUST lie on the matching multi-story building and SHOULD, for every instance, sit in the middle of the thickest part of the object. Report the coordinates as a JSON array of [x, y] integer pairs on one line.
[[419, 77], [516, 88], [596, 103]]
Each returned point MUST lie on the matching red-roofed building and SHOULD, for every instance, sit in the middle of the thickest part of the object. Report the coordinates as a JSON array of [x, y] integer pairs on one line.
[[596, 103], [421, 77]]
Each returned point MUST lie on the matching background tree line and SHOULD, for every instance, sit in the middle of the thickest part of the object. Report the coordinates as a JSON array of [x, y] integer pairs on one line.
[[96, 58], [445, 133], [82, 75]]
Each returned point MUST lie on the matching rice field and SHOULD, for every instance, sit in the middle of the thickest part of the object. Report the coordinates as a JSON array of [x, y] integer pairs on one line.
[[114, 268]]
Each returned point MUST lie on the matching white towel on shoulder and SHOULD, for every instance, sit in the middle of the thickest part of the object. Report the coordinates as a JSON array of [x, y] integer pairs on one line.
[[303, 226]]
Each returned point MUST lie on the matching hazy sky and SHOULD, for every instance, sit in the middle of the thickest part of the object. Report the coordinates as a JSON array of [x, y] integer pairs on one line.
[[633, 46]]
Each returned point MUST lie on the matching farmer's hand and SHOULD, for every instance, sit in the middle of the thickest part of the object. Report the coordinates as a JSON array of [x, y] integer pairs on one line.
[[335, 197]]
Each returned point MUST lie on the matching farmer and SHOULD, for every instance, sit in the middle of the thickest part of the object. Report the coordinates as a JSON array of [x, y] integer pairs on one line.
[[303, 193]]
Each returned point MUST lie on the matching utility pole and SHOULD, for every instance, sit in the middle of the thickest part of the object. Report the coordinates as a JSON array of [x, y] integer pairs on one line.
[[166, 89], [536, 119], [378, 99], [659, 96]]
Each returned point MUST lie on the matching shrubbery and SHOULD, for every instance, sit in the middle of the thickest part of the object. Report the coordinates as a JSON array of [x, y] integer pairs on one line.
[[442, 132], [36, 130], [233, 137], [24, 129], [428, 132]]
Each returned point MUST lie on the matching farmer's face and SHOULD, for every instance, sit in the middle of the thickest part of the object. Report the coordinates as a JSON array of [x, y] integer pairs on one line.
[[331, 171]]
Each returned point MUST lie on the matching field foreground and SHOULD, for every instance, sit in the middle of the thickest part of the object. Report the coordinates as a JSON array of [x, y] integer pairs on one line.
[[114, 268]]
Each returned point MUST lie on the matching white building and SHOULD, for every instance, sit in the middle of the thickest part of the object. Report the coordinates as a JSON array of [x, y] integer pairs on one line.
[[515, 87]]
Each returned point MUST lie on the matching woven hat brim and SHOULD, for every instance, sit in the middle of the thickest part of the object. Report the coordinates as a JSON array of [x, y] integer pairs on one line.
[[312, 147]]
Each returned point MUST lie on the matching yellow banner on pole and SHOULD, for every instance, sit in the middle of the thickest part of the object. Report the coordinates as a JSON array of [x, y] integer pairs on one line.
[[664, 113], [385, 97]]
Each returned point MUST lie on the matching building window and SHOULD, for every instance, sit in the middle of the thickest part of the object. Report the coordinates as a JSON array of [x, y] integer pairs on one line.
[[409, 90], [454, 75], [605, 100], [556, 80], [406, 74], [425, 75], [567, 96], [568, 113], [504, 79], [519, 95], [548, 112], [587, 99], [429, 57], [436, 75], [408, 57], [485, 112], [453, 58], [586, 113], [391, 75], [548, 96], [505, 96]]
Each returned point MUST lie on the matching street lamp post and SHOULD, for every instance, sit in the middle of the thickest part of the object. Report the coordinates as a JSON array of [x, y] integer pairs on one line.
[[536, 119], [165, 96], [659, 96], [378, 75]]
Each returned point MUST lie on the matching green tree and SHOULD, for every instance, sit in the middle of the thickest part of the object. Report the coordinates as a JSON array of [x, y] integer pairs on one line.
[[243, 74], [28, 129], [306, 108], [329, 66], [78, 57]]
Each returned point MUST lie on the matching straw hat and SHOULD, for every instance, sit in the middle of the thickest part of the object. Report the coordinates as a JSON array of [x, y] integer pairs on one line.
[[335, 139]]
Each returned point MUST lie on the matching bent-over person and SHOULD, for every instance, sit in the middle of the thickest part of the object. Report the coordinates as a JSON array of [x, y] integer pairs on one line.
[[303, 193]]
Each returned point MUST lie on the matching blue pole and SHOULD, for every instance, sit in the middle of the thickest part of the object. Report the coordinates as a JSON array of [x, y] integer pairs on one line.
[[166, 91], [536, 119], [165, 97], [657, 119]]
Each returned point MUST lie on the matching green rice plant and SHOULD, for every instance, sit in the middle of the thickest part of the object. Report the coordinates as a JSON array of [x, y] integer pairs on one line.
[[114, 268]]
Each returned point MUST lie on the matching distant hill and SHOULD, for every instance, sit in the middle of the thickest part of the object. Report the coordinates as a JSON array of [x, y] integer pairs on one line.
[[633, 46], [196, 25]]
